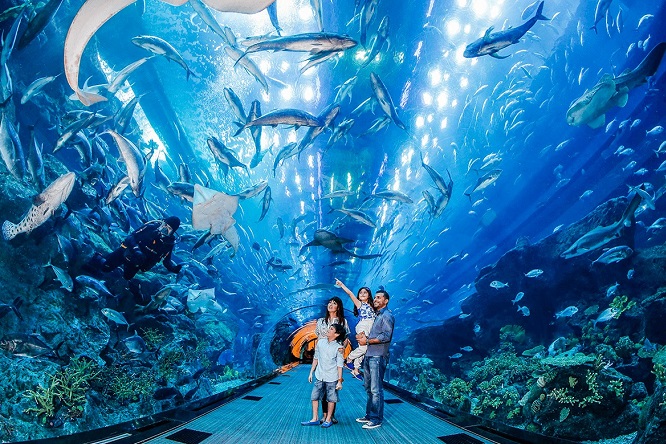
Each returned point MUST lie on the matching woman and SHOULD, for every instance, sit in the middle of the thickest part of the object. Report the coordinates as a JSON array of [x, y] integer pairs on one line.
[[363, 309], [335, 314]]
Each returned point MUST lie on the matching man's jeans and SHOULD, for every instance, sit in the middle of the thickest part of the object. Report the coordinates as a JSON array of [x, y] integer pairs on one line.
[[374, 368]]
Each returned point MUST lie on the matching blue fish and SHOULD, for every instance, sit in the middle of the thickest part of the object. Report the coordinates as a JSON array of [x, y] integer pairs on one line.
[[491, 42]]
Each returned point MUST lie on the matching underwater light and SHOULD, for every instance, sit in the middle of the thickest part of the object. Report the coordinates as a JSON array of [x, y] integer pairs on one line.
[[424, 140], [265, 66], [420, 121], [287, 93], [292, 137], [311, 181], [495, 11], [445, 123], [453, 27], [429, 118], [435, 76], [305, 13], [311, 161], [265, 96], [442, 99], [426, 98], [467, 29], [454, 103], [360, 55], [464, 82], [480, 7], [284, 66], [462, 3], [460, 58], [308, 94]]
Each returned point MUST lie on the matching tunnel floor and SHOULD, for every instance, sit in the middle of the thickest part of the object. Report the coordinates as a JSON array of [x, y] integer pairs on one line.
[[272, 413]]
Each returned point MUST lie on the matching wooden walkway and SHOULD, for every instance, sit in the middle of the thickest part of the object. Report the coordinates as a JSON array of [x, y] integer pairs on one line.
[[272, 413]]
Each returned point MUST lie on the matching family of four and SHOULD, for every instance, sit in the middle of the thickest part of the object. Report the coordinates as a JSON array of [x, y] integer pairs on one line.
[[374, 331]]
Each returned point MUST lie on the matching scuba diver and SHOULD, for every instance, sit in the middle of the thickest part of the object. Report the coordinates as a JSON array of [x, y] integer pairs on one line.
[[144, 248]]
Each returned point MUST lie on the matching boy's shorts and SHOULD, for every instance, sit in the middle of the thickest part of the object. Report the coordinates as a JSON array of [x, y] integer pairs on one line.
[[320, 387]]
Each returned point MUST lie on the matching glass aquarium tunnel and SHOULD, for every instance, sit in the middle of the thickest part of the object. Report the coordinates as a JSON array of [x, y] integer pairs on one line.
[[182, 182]]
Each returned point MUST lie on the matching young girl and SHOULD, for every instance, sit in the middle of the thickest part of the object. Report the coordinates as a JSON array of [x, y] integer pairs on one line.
[[366, 316]]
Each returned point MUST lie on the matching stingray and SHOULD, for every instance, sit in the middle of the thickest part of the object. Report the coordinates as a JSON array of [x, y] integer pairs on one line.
[[327, 239], [94, 13], [213, 211]]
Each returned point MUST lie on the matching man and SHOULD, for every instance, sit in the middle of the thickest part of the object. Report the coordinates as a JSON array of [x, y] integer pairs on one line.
[[376, 359], [144, 248]]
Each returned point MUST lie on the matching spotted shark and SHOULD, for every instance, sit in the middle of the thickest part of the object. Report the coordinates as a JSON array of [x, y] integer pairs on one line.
[[491, 42], [43, 207]]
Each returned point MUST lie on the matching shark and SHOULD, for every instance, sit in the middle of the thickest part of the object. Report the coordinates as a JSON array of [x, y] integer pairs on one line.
[[601, 235], [94, 13], [591, 108], [43, 207], [327, 239], [491, 42]]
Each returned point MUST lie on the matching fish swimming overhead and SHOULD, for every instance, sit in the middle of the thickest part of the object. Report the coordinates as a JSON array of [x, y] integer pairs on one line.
[[43, 207], [483, 182], [314, 43], [134, 161], [491, 42], [601, 235], [384, 99], [94, 13], [647, 68], [330, 240], [592, 106], [161, 47], [287, 116]]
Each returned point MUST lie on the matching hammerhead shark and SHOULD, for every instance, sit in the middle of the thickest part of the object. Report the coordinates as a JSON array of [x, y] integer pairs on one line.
[[94, 13]]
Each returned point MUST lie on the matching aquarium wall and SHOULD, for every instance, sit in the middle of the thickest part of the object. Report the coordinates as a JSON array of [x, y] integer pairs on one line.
[[496, 166]]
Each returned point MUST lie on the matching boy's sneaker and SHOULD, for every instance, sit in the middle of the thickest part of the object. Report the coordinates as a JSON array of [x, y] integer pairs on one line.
[[371, 425], [349, 365], [363, 420], [359, 376]]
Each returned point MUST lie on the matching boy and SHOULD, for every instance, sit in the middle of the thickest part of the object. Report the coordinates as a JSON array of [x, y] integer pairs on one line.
[[327, 368]]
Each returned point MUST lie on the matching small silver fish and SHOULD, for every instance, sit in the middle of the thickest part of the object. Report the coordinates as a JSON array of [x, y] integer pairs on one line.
[[456, 356], [497, 285], [524, 310], [534, 273], [518, 297], [612, 290], [567, 312]]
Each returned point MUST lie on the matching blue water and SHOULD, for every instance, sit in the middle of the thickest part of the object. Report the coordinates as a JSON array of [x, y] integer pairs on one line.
[[459, 113]]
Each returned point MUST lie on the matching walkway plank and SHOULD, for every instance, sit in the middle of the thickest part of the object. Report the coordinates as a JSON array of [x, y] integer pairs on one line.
[[276, 417]]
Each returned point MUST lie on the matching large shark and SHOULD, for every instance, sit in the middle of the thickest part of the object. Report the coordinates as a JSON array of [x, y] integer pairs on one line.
[[94, 13], [592, 106], [327, 239], [600, 236], [43, 207], [491, 42], [648, 66]]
